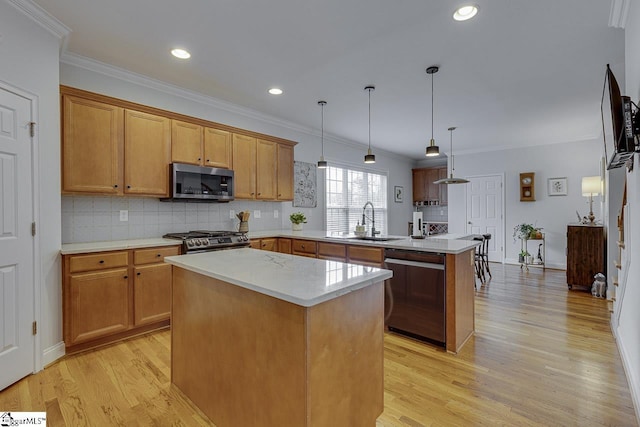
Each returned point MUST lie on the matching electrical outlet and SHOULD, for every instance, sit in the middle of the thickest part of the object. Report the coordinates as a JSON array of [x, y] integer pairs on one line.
[[256, 214], [232, 214], [441, 211], [276, 213], [124, 215]]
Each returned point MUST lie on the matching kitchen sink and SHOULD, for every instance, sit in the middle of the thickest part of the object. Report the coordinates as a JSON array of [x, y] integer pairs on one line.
[[376, 238]]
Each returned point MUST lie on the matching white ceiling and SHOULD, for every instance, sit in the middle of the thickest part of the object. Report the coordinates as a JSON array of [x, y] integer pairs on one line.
[[520, 73]]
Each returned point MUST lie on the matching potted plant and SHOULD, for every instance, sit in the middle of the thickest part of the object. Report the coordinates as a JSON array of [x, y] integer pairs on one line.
[[523, 231], [522, 255], [297, 219]]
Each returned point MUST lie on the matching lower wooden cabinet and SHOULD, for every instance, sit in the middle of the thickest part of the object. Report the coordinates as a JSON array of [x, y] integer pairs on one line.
[[111, 295], [284, 245], [306, 248], [585, 254], [365, 255], [332, 251]]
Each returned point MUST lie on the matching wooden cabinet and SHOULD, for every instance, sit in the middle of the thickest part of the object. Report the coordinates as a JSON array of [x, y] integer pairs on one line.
[[110, 150], [217, 148], [585, 254], [147, 147], [186, 143], [285, 172], [270, 244], [266, 167], [244, 160], [527, 187], [306, 248], [424, 189], [111, 295], [332, 251], [152, 285], [202, 146], [92, 146], [284, 245], [444, 194], [255, 243], [365, 255]]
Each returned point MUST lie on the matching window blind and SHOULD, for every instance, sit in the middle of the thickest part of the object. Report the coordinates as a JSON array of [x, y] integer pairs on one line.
[[347, 191]]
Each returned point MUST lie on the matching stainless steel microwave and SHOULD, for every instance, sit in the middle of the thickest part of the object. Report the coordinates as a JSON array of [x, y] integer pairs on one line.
[[200, 184]]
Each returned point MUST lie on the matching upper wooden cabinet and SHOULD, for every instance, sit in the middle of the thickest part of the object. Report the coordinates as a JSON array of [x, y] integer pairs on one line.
[[444, 192], [186, 143], [92, 146], [147, 146], [285, 172], [217, 148], [244, 160], [424, 189], [116, 147]]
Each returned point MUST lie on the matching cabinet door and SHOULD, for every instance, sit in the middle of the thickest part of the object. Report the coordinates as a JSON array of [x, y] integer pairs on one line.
[[244, 162], [285, 172], [255, 243], [92, 146], [419, 178], [444, 194], [147, 145], [270, 244], [266, 169], [151, 293], [186, 143], [433, 190], [98, 305], [284, 245], [217, 148], [585, 254]]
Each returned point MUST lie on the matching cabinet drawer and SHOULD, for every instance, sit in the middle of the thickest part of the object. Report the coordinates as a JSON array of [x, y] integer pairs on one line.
[[148, 256], [332, 250], [304, 247], [284, 245], [365, 254], [99, 261]]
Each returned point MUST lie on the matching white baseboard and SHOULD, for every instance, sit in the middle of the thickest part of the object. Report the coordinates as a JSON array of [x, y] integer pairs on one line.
[[634, 385], [554, 266], [53, 353]]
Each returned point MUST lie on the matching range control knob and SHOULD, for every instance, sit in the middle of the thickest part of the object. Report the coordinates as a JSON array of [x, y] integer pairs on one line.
[[190, 243], [197, 242]]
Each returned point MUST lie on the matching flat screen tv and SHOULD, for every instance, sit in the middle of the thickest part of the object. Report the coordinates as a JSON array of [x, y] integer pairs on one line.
[[617, 123]]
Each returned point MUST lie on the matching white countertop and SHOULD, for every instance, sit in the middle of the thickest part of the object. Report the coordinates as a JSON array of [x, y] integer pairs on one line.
[[450, 243], [76, 248], [299, 280]]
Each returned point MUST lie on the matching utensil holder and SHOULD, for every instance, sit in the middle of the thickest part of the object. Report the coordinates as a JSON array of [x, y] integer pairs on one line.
[[243, 227]]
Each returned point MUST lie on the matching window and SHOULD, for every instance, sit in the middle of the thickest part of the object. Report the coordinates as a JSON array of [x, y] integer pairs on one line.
[[347, 191]]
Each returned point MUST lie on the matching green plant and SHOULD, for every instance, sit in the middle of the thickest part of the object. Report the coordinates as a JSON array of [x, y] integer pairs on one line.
[[523, 231], [524, 253], [298, 218]]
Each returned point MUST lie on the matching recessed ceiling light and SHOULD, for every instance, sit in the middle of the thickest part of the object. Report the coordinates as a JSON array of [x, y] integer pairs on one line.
[[465, 12], [180, 53], [275, 91]]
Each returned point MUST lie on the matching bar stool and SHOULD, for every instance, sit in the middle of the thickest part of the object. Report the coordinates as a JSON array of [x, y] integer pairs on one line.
[[485, 254], [479, 266]]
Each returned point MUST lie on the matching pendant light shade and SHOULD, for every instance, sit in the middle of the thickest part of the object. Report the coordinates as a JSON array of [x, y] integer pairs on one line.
[[322, 163], [432, 149], [369, 157], [451, 179]]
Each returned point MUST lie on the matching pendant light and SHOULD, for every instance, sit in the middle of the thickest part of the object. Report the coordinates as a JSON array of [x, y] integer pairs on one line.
[[451, 179], [322, 163], [432, 149], [369, 158]]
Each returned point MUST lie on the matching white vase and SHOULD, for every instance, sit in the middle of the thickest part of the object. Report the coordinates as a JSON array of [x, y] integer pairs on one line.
[[296, 227]]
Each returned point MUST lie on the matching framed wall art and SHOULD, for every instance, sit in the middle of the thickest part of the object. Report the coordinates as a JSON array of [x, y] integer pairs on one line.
[[398, 194], [557, 186]]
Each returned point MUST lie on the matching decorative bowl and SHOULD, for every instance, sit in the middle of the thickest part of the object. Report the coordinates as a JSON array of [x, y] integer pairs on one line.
[[360, 233]]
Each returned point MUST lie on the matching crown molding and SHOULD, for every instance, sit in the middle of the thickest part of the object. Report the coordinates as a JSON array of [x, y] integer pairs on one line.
[[44, 19], [619, 13], [173, 90]]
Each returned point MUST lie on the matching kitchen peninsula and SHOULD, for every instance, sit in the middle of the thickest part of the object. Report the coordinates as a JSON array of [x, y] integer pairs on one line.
[[265, 338]]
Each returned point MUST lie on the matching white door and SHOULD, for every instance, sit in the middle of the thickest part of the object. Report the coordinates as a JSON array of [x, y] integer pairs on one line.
[[484, 212], [17, 344]]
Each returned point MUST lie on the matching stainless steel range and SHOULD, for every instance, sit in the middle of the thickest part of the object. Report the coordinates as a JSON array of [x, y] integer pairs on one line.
[[203, 240]]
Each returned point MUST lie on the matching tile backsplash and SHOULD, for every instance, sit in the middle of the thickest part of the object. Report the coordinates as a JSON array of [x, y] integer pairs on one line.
[[97, 218], [439, 213]]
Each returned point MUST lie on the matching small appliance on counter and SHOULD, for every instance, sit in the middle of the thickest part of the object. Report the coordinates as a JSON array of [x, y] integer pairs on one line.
[[416, 232]]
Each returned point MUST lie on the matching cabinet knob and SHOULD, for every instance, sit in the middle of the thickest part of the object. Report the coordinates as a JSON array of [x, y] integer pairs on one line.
[[159, 255], [253, 194], [208, 161], [259, 194], [279, 195], [199, 158], [128, 186], [115, 186], [302, 246], [126, 277], [101, 261], [138, 273]]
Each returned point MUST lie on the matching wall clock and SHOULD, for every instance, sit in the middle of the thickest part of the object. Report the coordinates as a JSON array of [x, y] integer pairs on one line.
[[527, 187]]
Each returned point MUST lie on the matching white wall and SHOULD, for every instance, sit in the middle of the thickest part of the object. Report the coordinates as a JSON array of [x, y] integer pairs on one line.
[[101, 78], [553, 213], [627, 334], [30, 62]]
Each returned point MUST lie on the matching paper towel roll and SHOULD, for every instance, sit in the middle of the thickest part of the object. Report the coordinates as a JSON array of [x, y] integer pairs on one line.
[[417, 224]]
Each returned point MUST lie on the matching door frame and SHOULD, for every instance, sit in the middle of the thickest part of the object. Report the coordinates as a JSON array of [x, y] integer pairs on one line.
[[35, 206], [502, 208]]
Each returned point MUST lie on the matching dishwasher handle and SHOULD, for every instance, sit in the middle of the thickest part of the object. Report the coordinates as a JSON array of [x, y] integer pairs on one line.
[[414, 263]]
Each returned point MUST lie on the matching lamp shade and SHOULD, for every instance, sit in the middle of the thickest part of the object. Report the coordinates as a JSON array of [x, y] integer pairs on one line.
[[591, 186]]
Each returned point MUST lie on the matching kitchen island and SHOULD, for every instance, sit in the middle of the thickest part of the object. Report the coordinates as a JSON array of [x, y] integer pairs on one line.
[[270, 339]]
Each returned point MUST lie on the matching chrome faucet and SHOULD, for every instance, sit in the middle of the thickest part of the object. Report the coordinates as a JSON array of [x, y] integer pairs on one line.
[[372, 218]]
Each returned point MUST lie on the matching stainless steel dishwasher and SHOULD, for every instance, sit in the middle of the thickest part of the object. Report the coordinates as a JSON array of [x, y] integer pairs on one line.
[[417, 294]]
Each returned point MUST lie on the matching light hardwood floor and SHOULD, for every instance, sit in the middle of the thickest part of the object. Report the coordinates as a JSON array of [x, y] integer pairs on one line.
[[541, 356]]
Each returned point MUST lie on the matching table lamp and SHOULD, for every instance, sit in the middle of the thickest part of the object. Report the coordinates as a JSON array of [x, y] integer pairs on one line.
[[591, 186]]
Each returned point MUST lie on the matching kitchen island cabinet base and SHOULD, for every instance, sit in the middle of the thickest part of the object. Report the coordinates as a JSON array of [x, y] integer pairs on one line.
[[245, 358]]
